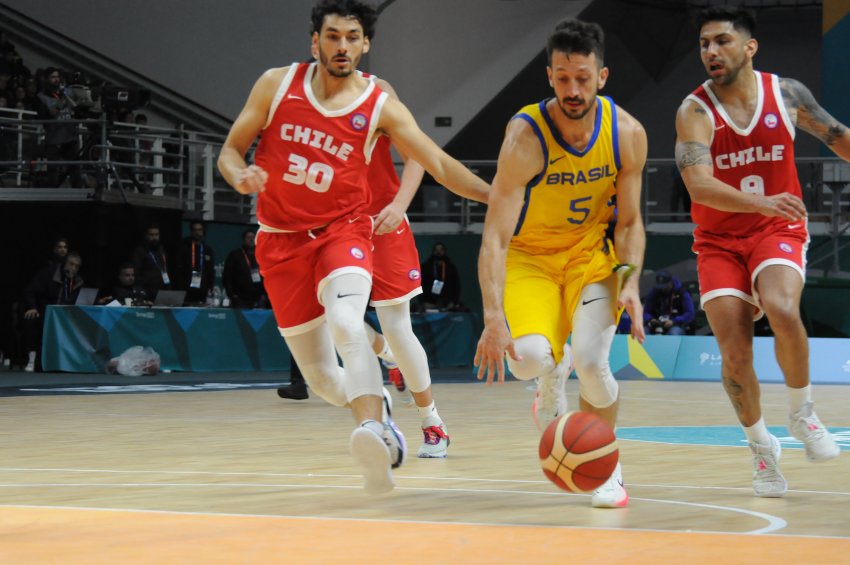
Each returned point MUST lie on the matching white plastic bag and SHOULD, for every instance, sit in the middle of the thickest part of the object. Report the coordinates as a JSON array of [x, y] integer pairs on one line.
[[135, 362]]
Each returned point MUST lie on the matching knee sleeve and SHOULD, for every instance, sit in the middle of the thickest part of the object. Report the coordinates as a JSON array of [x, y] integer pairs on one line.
[[593, 333], [345, 298], [327, 383], [407, 350], [590, 355], [536, 357]]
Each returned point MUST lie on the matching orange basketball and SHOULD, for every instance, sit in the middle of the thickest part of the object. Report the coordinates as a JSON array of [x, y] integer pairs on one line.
[[578, 452]]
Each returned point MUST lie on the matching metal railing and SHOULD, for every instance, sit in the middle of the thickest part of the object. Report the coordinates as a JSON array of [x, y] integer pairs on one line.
[[176, 168], [163, 167]]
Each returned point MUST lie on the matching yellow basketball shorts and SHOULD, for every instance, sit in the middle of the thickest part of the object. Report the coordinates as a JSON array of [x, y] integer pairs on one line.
[[542, 290]]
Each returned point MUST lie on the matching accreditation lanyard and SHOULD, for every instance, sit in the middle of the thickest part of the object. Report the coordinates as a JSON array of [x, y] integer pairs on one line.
[[163, 269], [197, 266], [437, 285], [255, 272]]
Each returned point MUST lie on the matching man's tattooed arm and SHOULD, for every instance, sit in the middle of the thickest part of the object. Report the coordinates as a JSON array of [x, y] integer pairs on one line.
[[810, 116], [690, 153]]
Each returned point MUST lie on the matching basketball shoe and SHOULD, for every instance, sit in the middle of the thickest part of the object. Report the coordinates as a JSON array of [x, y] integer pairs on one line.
[[768, 481], [436, 442], [612, 494], [819, 443], [392, 434], [396, 378], [551, 398]]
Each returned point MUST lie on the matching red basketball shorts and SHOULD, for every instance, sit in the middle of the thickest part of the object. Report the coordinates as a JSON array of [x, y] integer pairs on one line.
[[396, 277], [729, 265], [295, 266]]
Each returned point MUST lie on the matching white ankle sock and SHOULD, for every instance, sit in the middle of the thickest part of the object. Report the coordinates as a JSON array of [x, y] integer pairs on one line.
[[758, 433], [798, 397], [428, 414]]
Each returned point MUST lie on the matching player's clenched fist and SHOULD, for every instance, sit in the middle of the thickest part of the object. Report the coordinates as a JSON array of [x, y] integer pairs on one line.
[[251, 179]]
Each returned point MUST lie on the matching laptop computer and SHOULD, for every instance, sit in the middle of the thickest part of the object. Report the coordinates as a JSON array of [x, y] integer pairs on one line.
[[86, 296], [170, 298]]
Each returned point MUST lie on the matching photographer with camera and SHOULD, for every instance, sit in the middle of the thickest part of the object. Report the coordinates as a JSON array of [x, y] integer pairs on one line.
[[60, 138], [668, 308]]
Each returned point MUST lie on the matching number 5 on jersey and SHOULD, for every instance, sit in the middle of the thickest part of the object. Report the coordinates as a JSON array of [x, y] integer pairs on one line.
[[315, 176]]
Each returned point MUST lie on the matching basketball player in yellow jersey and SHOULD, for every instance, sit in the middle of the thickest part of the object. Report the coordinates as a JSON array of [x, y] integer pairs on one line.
[[546, 268]]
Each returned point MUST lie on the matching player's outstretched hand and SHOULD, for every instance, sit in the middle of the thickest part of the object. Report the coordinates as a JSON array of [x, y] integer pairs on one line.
[[630, 300], [490, 353]]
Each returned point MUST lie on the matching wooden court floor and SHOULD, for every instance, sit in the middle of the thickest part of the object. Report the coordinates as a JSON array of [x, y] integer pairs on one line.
[[245, 477]]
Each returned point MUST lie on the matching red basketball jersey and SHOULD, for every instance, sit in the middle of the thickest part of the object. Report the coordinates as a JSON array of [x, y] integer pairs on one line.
[[317, 159], [383, 180], [758, 159]]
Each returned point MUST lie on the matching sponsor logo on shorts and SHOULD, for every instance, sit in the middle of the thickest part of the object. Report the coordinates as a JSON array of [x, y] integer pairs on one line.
[[359, 121], [414, 275], [357, 253], [786, 247], [771, 121]]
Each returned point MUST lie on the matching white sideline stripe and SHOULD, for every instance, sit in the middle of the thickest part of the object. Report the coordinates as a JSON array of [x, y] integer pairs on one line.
[[774, 523]]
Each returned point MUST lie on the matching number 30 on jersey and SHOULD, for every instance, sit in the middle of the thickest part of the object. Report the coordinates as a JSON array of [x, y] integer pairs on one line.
[[315, 176]]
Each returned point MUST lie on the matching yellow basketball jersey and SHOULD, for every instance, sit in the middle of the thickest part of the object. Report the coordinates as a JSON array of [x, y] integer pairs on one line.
[[570, 202]]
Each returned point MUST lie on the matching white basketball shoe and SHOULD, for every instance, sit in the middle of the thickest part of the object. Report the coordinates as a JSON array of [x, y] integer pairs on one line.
[[551, 398]]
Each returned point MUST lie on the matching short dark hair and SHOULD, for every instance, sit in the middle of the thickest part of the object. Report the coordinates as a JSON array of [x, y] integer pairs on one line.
[[741, 19], [365, 14], [576, 36], [126, 265]]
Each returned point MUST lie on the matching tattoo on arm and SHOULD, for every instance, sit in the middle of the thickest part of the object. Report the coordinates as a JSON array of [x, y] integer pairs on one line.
[[735, 392], [810, 116], [690, 153]]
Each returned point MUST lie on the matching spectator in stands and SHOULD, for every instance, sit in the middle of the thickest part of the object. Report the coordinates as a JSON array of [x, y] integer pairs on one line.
[[241, 277], [60, 138], [151, 264], [59, 285], [126, 292], [58, 252], [197, 265], [440, 281], [668, 308]]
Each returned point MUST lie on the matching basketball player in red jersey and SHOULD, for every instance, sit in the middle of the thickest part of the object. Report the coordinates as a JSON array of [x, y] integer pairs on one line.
[[735, 150], [314, 244]]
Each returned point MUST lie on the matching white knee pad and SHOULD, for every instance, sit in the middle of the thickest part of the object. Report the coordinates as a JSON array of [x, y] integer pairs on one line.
[[537, 359]]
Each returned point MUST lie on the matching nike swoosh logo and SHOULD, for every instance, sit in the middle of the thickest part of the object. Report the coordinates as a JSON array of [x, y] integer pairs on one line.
[[292, 96], [401, 231], [354, 219], [556, 159], [793, 226], [721, 126], [338, 295], [586, 302]]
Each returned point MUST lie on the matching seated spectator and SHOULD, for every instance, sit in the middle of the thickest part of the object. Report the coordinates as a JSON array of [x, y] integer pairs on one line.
[[440, 281], [241, 277], [126, 292], [51, 285], [151, 264], [668, 308]]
